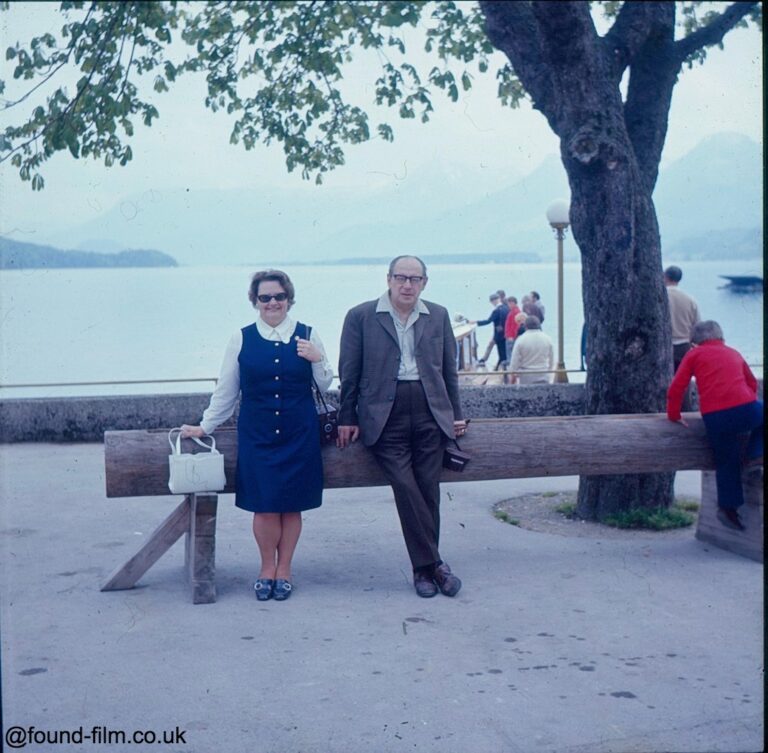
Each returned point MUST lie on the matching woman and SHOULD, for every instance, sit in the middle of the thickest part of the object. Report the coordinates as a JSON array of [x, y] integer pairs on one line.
[[730, 408], [270, 364]]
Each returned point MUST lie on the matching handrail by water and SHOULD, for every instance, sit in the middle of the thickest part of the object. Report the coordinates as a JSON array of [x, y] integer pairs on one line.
[[103, 384], [216, 379]]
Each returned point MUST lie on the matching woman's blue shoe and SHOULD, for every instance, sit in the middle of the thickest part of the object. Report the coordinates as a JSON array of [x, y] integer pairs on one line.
[[282, 589], [264, 588]]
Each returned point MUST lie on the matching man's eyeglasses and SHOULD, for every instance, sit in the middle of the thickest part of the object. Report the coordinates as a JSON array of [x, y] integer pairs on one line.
[[280, 297], [413, 279]]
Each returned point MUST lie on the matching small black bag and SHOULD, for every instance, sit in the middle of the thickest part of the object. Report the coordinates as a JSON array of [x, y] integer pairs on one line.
[[454, 458], [327, 416]]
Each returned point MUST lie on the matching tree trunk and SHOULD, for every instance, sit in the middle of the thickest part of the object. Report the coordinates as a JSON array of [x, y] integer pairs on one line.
[[625, 305], [629, 358]]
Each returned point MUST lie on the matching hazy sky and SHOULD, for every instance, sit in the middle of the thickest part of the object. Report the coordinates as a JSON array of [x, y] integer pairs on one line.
[[475, 139]]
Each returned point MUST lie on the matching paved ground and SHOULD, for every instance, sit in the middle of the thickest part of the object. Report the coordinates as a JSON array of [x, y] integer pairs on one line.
[[555, 643]]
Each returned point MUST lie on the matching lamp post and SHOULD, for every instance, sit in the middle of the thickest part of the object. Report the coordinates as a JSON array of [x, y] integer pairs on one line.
[[558, 218]]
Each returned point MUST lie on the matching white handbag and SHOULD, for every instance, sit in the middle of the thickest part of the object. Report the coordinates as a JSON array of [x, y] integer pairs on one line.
[[201, 472]]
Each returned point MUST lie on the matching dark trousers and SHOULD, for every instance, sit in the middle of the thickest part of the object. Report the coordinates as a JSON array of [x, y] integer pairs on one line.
[[501, 346], [724, 429], [678, 351], [410, 452]]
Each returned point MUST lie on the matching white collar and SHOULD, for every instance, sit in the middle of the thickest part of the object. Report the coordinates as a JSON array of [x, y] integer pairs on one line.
[[282, 332], [385, 304]]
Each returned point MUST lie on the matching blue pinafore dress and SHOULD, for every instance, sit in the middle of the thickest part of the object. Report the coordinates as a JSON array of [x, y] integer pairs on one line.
[[279, 468]]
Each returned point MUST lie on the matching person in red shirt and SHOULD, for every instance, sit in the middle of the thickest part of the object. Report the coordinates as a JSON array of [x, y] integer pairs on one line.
[[730, 408], [510, 325]]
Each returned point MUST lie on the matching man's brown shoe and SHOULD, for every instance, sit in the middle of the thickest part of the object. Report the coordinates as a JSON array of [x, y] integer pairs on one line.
[[446, 581], [424, 585]]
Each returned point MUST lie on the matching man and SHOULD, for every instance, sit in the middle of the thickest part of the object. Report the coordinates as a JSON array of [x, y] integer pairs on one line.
[[536, 307], [533, 352], [498, 318], [400, 395], [683, 314]]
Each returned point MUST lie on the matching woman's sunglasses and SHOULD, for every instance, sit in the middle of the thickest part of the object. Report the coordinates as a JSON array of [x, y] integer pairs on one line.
[[280, 297]]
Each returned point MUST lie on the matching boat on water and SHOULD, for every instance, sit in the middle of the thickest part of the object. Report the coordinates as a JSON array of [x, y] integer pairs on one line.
[[471, 369], [466, 344], [743, 283]]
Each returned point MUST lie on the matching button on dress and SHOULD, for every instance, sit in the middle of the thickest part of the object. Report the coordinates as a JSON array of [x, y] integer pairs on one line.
[[279, 467]]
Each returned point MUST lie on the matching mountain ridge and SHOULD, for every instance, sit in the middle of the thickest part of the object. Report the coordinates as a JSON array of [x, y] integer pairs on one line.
[[22, 255], [717, 185]]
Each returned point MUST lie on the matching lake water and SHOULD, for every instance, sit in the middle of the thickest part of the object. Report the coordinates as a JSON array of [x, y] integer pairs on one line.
[[108, 325]]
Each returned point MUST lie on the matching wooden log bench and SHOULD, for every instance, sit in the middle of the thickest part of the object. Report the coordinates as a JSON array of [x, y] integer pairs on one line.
[[137, 466]]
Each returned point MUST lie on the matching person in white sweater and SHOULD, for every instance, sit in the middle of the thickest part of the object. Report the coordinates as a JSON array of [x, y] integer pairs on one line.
[[532, 355]]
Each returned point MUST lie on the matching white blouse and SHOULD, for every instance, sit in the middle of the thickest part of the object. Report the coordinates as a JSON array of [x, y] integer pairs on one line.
[[224, 397]]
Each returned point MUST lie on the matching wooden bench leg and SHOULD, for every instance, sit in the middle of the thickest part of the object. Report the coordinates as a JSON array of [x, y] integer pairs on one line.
[[200, 548], [748, 543], [161, 540]]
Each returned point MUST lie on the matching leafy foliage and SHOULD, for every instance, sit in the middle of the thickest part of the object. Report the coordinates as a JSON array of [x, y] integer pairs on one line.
[[276, 66], [108, 44]]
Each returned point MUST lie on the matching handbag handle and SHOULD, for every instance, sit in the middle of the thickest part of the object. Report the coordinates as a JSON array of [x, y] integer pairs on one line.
[[176, 449], [316, 392], [319, 395]]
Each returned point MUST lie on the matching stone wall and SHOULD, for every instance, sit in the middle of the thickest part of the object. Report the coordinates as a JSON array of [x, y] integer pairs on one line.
[[85, 419]]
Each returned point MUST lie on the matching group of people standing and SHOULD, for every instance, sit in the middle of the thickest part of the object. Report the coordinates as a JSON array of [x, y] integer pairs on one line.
[[399, 396], [529, 359]]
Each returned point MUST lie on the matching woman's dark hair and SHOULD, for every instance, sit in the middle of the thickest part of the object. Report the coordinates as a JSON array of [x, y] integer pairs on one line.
[[271, 275]]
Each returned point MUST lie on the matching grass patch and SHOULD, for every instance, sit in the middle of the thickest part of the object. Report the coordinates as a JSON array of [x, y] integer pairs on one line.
[[549, 494], [505, 517], [654, 519], [689, 504], [568, 509]]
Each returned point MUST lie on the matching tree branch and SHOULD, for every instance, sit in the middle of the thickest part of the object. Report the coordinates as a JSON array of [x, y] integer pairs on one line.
[[64, 114], [46, 78], [653, 75], [52, 71], [513, 29], [713, 32], [628, 34], [573, 53]]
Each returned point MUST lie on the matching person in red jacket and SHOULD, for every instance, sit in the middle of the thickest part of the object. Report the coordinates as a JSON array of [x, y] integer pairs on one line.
[[730, 408], [510, 325]]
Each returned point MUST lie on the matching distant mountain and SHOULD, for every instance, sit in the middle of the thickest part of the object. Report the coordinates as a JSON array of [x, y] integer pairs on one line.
[[16, 255], [732, 243], [423, 215], [509, 221], [498, 258], [717, 185]]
